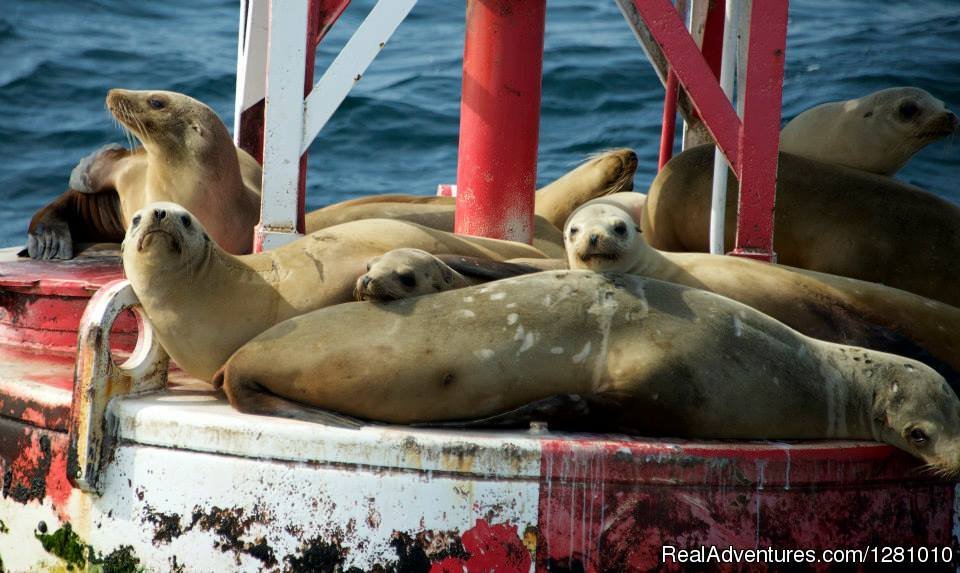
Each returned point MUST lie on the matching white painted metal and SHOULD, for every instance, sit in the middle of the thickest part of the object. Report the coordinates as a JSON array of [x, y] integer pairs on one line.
[[283, 120], [350, 64], [98, 379], [184, 453], [728, 68], [251, 59]]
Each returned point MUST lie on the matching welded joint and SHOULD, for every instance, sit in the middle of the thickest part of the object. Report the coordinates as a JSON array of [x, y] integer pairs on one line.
[[98, 379]]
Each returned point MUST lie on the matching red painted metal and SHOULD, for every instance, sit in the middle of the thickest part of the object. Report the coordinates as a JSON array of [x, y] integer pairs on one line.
[[495, 547], [500, 118], [41, 302], [751, 145], [322, 15], [446, 190], [34, 461], [669, 128], [712, 45], [760, 134], [694, 74], [612, 504]]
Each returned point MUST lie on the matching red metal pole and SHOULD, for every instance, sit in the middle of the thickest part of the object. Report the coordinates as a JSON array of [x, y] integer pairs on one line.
[[760, 130], [712, 45], [669, 122], [500, 118], [694, 74]]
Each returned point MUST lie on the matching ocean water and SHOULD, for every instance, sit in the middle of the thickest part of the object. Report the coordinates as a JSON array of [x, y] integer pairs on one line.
[[397, 132]]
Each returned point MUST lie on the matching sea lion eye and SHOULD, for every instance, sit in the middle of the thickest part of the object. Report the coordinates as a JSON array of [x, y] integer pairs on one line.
[[620, 228], [574, 231], [918, 436], [136, 221], [407, 279], [156, 103], [908, 110], [186, 221]]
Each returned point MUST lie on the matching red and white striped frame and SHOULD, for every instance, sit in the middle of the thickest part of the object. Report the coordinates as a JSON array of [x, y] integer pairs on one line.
[[279, 111]]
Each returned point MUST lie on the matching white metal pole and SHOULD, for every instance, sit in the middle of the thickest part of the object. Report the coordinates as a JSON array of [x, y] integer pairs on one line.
[[241, 68], [728, 67], [283, 121], [349, 65]]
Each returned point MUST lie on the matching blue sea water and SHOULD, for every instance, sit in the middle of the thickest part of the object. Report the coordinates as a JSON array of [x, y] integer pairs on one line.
[[397, 132]]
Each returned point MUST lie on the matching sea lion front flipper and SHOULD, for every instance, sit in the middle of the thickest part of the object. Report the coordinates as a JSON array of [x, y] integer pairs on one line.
[[96, 172], [50, 239], [485, 269], [74, 217]]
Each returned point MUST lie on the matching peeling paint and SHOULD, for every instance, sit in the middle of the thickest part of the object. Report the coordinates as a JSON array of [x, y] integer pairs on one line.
[[230, 525]]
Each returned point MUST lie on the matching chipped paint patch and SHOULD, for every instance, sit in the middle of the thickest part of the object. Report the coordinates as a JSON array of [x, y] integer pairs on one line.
[[498, 296], [512, 318], [484, 353], [579, 357]]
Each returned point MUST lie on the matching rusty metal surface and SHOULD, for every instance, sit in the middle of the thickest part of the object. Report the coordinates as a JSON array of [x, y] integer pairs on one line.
[[610, 505], [97, 379], [193, 485], [35, 388]]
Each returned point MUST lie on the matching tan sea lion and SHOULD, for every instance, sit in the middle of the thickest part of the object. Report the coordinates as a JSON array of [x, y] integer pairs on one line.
[[204, 302], [187, 158], [601, 236], [406, 273], [600, 175], [828, 218], [878, 133], [647, 356], [546, 237]]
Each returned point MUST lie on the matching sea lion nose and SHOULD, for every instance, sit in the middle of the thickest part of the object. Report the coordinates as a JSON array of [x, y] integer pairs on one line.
[[952, 118], [366, 281], [159, 214], [593, 239]]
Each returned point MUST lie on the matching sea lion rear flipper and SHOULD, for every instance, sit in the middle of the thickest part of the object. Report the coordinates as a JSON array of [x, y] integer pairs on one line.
[[96, 172], [485, 269], [250, 397]]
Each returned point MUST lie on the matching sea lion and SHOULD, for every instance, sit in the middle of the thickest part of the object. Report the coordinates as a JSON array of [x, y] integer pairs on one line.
[[828, 218], [878, 133], [187, 157], [546, 237], [204, 302], [647, 356], [601, 236], [405, 273], [600, 175]]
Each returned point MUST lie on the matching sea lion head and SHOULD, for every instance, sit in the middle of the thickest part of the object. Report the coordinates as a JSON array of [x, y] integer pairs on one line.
[[170, 124], [915, 410], [164, 236], [602, 236], [908, 115], [403, 273]]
